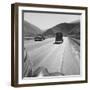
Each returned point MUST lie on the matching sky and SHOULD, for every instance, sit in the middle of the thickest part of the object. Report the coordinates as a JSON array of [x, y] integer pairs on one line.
[[47, 20]]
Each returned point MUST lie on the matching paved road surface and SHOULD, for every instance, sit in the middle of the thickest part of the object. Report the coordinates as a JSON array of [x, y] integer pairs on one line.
[[63, 58]]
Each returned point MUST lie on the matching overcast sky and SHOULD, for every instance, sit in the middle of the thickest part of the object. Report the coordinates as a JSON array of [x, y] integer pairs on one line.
[[45, 20]]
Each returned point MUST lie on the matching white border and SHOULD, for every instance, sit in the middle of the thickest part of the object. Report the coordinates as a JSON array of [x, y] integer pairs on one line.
[[60, 79]]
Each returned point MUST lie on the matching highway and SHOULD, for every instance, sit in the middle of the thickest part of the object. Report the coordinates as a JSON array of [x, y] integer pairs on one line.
[[55, 58]]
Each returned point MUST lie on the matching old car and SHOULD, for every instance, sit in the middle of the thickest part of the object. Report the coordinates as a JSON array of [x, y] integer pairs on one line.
[[58, 38], [39, 38]]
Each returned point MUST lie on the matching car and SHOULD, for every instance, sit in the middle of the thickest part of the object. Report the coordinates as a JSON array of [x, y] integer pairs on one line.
[[39, 38], [59, 38]]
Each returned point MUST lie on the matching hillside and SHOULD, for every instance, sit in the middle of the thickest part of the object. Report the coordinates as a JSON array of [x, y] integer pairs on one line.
[[30, 30], [65, 28], [75, 32]]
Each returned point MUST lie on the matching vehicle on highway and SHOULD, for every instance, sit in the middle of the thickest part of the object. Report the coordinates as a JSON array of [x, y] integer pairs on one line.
[[59, 38], [39, 38]]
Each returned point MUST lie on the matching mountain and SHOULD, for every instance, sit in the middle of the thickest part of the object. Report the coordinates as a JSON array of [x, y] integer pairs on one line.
[[75, 32], [30, 29], [65, 28]]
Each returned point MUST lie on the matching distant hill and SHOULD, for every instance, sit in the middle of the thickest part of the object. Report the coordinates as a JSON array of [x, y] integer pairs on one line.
[[65, 28], [75, 32], [30, 29]]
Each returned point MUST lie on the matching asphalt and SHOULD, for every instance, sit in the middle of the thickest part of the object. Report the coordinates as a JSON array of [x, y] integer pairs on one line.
[[54, 58]]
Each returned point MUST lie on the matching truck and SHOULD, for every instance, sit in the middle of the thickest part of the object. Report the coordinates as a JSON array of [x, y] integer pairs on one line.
[[59, 38]]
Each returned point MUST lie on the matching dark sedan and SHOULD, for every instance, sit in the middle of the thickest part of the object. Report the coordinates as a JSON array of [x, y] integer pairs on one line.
[[39, 38]]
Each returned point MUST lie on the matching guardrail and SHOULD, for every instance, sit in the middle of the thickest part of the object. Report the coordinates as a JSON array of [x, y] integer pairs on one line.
[[76, 41]]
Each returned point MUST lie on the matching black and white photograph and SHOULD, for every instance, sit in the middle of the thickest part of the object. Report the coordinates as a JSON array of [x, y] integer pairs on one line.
[[49, 44]]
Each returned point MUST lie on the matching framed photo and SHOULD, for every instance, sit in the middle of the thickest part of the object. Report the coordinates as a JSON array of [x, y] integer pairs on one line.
[[48, 44]]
